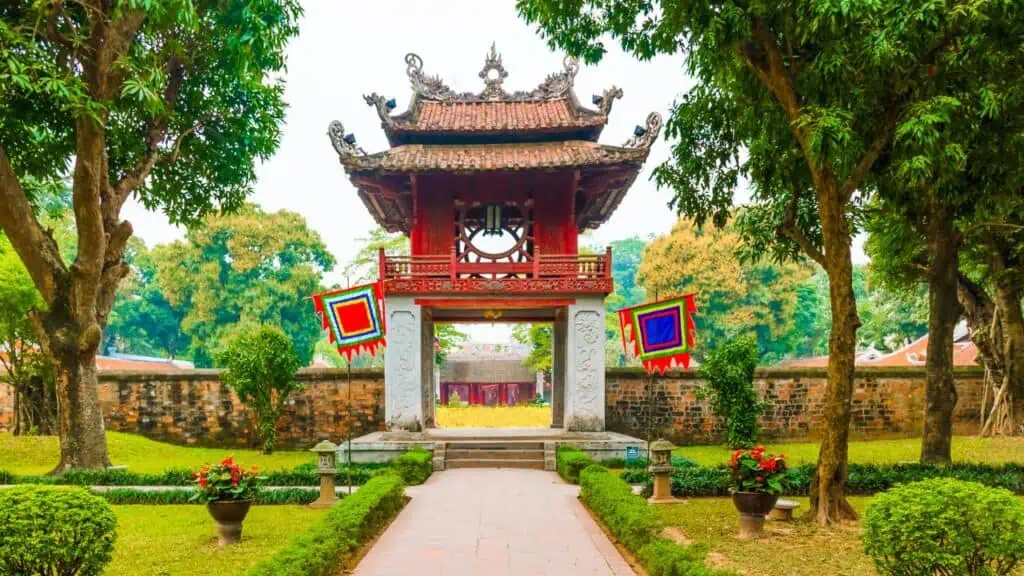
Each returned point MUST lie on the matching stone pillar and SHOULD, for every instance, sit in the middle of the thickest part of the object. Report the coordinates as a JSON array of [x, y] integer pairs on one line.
[[427, 366], [558, 341], [403, 367], [584, 366]]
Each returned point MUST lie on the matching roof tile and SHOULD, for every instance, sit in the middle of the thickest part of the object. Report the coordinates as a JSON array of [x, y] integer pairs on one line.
[[497, 116]]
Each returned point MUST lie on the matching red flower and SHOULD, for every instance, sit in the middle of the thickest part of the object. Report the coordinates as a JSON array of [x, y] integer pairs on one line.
[[736, 454], [229, 461], [202, 482], [760, 478]]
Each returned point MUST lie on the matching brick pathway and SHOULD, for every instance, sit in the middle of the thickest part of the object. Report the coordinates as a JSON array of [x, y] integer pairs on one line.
[[493, 523]]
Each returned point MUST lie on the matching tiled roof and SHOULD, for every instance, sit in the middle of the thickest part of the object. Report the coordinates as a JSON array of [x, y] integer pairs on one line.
[[490, 157], [497, 116]]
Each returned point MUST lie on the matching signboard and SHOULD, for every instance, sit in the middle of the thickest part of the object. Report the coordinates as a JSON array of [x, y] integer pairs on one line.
[[632, 453]]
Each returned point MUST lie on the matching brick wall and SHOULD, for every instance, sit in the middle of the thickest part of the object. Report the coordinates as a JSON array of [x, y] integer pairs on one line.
[[886, 403], [195, 407]]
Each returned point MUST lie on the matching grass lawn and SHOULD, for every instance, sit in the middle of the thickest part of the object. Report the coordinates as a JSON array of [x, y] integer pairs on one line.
[[182, 540], [965, 449], [790, 549], [39, 454], [493, 417]]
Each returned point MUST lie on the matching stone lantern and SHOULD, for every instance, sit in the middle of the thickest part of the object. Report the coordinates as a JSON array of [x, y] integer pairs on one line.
[[661, 468], [327, 466]]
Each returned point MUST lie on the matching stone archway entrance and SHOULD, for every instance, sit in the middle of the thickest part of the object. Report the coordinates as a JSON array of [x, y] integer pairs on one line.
[[578, 354]]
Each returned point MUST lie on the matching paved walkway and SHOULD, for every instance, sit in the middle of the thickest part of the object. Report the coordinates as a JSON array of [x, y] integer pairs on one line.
[[493, 523]]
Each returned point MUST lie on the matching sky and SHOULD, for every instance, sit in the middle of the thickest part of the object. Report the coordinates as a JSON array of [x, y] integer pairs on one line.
[[346, 49]]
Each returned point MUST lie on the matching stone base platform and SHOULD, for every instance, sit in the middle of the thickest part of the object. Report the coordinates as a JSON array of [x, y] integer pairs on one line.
[[383, 446]]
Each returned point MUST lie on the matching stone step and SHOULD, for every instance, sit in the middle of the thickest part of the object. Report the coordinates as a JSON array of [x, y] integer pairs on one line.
[[490, 454], [495, 445], [492, 463]]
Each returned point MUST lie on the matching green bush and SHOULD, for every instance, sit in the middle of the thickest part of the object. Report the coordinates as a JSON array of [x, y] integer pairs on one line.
[[945, 526], [261, 366], [635, 475], [51, 530], [414, 466], [327, 547], [570, 461], [302, 475], [728, 374], [628, 516], [635, 524], [157, 497]]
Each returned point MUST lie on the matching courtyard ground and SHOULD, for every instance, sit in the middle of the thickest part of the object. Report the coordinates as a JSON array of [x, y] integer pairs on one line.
[[493, 417], [182, 541], [494, 522]]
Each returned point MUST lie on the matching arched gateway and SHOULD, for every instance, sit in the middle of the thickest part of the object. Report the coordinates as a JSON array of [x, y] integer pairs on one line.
[[493, 189]]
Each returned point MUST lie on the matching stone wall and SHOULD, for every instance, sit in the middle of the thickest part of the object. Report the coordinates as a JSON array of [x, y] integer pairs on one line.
[[886, 403], [196, 407]]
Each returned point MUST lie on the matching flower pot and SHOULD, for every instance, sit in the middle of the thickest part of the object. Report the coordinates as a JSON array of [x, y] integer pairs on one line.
[[229, 515], [753, 507]]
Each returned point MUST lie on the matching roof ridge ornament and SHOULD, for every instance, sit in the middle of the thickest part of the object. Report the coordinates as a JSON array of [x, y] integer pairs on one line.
[[344, 144], [644, 136], [431, 87], [383, 106], [492, 83]]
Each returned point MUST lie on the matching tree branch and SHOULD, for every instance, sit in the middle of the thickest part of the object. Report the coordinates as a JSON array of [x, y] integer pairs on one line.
[[789, 228], [860, 171], [132, 180], [35, 246]]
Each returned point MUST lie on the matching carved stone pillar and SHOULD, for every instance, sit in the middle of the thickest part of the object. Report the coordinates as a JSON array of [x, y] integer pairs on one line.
[[558, 344], [584, 366], [427, 366], [403, 365]]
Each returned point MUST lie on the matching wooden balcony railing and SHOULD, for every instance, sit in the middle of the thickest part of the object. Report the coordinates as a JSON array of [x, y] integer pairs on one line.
[[543, 266]]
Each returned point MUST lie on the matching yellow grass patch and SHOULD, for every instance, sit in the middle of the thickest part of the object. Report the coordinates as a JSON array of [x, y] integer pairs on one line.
[[493, 417]]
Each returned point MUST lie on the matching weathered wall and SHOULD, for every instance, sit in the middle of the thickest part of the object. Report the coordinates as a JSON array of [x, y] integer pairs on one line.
[[886, 403], [195, 407]]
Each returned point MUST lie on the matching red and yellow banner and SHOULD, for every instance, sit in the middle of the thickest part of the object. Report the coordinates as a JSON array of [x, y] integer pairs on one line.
[[660, 333], [355, 318]]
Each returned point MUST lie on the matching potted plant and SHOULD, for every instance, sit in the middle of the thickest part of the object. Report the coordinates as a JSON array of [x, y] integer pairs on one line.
[[229, 492], [757, 481]]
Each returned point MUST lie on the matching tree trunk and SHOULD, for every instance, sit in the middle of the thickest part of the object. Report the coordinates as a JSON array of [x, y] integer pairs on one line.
[[1008, 296], [79, 413], [828, 487], [943, 315]]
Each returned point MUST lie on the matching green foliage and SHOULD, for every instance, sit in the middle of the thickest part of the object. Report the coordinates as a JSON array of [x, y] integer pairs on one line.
[[728, 374], [945, 526], [414, 466], [245, 268], [302, 475], [453, 400], [540, 338], [570, 461], [226, 481], [628, 516], [261, 366], [666, 558], [755, 471], [123, 496], [363, 267], [346, 526], [448, 339], [50, 530]]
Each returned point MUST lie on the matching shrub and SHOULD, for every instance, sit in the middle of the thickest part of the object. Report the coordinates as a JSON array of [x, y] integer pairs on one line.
[[570, 461], [635, 475], [261, 367], [945, 526], [327, 547], [453, 400], [628, 516], [728, 374], [666, 558], [50, 530], [755, 471], [183, 496], [414, 466]]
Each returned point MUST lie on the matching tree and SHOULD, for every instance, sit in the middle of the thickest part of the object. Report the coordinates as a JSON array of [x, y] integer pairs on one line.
[[626, 257], [800, 99], [363, 268], [540, 338], [142, 321], [247, 267], [34, 398], [448, 338], [733, 296], [171, 102], [728, 376], [261, 365]]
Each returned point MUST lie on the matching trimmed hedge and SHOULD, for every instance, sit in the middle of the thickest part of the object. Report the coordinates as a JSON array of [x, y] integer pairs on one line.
[[414, 466], [570, 461], [54, 530], [181, 496], [303, 475], [636, 525], [863, 479], [327, 547]]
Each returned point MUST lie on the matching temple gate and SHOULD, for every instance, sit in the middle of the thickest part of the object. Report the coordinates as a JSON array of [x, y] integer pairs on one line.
[[493, 190]]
